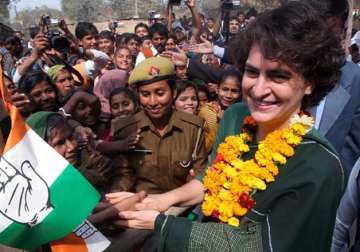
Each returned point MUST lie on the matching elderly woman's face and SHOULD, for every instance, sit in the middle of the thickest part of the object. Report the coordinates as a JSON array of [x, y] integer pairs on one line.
[[64, 82], [272, 91]]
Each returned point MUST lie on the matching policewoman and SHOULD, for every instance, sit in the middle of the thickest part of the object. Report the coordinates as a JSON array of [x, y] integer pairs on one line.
[[171, 142]]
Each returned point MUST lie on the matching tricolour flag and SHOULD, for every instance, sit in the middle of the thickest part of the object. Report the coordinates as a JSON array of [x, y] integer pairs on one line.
[[42, 197], [85, 238]]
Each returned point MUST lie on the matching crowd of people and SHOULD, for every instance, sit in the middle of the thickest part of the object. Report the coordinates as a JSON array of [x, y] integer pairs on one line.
[[244, 134]]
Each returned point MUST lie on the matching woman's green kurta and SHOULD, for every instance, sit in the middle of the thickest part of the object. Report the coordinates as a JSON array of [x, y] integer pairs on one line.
[[295, 213]]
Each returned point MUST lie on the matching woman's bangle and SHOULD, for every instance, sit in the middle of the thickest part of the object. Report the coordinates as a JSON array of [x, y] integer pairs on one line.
[[62, 110]]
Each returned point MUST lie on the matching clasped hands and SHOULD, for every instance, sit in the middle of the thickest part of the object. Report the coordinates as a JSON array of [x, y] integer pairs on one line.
[[130, 210]]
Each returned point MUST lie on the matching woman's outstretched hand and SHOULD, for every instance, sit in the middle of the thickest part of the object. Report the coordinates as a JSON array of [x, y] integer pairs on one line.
[[144, 219]]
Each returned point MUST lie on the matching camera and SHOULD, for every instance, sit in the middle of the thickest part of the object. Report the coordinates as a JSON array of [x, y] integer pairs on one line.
[[175, 2], [114, 25], [58, 42], [47, 20], [228, 5], [154, 16]]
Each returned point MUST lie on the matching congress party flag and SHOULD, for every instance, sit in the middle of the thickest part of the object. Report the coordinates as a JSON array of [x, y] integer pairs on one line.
[[42, 197], [85, 238]]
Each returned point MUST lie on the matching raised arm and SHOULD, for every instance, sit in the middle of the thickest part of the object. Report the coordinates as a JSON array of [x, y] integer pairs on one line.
[[169, 16], [191, 4], [39, 44]]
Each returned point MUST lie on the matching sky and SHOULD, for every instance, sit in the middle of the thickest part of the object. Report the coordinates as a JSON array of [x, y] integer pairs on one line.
[[30, 4]]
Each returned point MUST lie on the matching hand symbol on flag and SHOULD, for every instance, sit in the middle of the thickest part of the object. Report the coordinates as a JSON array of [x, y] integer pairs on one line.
[[24, 195]]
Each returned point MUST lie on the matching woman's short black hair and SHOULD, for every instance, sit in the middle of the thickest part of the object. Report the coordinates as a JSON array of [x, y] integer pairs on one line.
[[182, 85], [329, 9], [295, 35]]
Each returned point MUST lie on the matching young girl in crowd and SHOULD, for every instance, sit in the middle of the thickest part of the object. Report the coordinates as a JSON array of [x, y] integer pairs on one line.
[[84, 108], [186, 98], [203, 94], [229, 92], [123, 59], [109, 81], [123, 103]]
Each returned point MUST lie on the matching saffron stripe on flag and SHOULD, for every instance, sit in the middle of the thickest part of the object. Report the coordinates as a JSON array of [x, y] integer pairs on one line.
[[85, 238]]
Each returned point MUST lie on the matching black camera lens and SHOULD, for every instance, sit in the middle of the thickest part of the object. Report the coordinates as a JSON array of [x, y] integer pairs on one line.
[[60, 44]]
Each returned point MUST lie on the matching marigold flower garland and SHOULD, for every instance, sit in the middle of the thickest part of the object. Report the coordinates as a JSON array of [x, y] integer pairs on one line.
[[231, 182]]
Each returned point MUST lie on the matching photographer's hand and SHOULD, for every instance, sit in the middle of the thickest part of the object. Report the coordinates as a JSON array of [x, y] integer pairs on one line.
[[39, 44]]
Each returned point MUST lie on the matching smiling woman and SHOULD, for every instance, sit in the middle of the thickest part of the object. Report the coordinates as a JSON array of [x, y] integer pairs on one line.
[[40, 90], [171, 148], [265, 171]]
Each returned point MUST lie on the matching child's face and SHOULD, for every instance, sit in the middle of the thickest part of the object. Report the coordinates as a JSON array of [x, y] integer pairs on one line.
[[203, 98], [121, 105], [146, 43], [61, 140], [229, 92], [106, 46], [86, 113], [133, 46], [89, 41], [123, 59], [187, 101]]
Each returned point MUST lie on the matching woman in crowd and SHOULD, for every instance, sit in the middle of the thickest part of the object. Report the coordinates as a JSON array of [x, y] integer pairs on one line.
[[42, 93], [54, 129], [163, 130], [186, 98], [171, 145], [265, 182], [61, 76], [228, 93]]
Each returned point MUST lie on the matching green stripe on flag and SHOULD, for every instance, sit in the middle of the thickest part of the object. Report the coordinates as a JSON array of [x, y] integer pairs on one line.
[[73, 199]]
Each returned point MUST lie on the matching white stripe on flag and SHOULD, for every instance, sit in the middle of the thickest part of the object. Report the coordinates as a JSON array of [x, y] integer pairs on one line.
[[45, 161]]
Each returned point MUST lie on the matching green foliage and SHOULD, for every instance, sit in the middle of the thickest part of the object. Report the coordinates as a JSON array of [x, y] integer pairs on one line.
[[32, 17], [4, 11]]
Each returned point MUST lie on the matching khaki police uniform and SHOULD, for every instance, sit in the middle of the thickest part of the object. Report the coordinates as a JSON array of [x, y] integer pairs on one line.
[[160, 164]]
